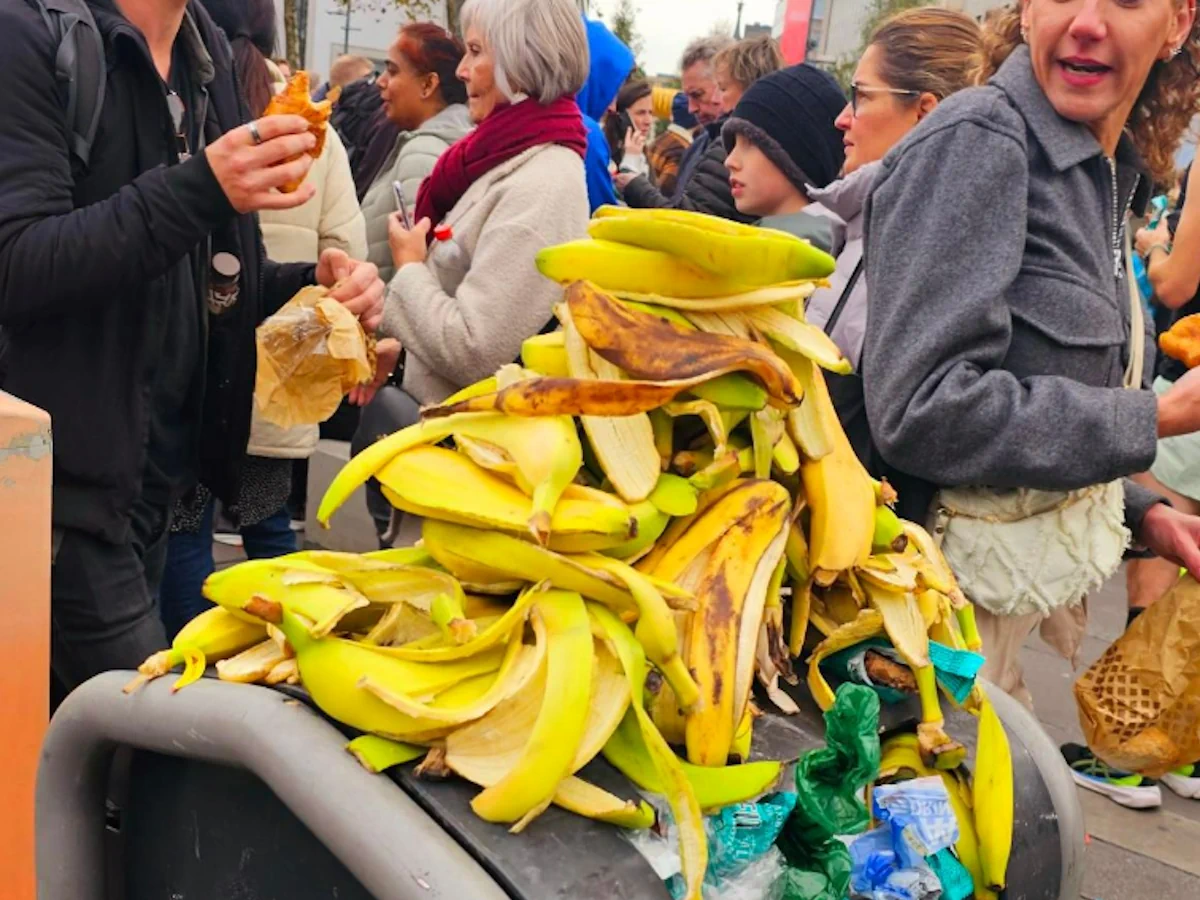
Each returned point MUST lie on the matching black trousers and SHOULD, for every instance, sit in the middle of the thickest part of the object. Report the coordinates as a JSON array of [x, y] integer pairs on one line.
[[103, 599]]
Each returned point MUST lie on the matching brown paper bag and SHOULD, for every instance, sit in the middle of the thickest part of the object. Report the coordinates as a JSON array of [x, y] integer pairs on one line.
[[1139, 705], [310, 354]]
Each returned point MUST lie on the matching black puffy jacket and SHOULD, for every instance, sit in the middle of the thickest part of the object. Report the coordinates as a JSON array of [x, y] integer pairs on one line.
[[706, 189], [88, 258]]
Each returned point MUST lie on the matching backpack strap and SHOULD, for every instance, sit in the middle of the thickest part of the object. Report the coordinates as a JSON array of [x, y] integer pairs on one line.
[[79, 65]]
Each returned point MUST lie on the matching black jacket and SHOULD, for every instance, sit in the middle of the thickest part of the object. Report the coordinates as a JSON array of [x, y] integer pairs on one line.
[[88, 258], [706, 189]]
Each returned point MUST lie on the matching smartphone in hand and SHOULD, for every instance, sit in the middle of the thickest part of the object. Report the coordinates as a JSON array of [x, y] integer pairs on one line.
[[401, 206]]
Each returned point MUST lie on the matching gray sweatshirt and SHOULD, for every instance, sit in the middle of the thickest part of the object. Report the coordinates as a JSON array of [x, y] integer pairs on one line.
[[998, 327], [844, 198]]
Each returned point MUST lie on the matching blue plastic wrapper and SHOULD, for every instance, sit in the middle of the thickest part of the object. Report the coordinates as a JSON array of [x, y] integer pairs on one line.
[[920, 817], [740, 834], [878, 874]]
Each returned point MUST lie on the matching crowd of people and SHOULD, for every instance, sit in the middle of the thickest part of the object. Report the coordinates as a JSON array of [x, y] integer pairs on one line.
[[974, 184]]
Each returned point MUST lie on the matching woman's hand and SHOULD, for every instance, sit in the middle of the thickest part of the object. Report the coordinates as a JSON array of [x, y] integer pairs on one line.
[[1148, 237], [356, 285], [387, 357], [635, 142], [1172, 535], [408, 246], [1179, 408]]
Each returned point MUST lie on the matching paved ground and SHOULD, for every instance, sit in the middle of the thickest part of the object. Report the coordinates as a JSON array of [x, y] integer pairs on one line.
[[1131, 855]]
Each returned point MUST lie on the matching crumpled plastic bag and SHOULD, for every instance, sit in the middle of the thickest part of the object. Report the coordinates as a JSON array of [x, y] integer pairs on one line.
[[919, 816], [310, 354], [829, 785], [740, 834], [743, 862], [1139, 703]]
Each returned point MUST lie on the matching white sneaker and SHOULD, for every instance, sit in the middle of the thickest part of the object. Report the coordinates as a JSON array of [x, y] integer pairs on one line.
[[228, 538], [1184, 781], [1131, 797]]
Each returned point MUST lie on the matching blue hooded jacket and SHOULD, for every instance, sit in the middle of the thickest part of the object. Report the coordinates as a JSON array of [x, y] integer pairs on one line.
[[611, 63]]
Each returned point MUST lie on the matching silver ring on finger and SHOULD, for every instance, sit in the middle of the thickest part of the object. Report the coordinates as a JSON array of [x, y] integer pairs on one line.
[[255, 135]]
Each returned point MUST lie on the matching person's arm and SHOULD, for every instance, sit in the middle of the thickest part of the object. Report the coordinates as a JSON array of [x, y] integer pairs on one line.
[[342, 224], [502, 300], [946, 231], [55, 259], [1176, 275]]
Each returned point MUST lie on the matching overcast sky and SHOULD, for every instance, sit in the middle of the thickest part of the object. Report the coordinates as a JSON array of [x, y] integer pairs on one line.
[[666, 26]]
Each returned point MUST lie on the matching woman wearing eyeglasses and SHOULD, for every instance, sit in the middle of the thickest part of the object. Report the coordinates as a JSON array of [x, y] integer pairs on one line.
[[1003, 363], [914, 61]]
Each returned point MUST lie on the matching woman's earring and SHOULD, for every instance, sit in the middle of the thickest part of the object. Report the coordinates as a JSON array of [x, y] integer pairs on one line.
[[1175, 52], [1025, 33]]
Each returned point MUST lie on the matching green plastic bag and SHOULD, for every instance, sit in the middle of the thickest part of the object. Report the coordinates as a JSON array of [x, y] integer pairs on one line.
[[828, 784]]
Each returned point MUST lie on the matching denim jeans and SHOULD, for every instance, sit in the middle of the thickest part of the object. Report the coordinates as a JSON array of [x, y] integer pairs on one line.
[[190, 561]]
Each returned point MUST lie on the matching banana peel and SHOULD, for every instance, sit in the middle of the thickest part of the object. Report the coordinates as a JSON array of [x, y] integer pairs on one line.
[[214, 635], [685, 807], [654, 349]]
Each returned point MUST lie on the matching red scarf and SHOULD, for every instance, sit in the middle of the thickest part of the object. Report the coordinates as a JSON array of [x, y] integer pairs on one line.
[[508, 132]]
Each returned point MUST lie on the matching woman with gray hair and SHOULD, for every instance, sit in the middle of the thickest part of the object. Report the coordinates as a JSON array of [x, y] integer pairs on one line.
[[466, 292]]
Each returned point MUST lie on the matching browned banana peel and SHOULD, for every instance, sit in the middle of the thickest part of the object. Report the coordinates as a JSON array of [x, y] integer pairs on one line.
[[938, 749], [651, 347], [552, 396]]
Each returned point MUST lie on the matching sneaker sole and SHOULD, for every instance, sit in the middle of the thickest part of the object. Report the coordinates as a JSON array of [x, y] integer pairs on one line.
[[1129, 797], [229, 540], [1186, 787]]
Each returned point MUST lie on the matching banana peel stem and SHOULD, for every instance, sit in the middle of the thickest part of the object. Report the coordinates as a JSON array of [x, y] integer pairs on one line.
[[969, 628]]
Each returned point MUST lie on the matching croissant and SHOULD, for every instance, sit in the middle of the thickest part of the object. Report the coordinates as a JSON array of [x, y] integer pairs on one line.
[[296, 100]]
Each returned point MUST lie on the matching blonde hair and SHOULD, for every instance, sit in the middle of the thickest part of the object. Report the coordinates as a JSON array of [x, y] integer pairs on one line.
[[930, 50], [749, 60], [1164, 108], [540, 47]]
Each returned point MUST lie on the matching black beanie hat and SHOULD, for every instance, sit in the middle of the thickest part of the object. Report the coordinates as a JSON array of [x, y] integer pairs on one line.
[[789, 116]]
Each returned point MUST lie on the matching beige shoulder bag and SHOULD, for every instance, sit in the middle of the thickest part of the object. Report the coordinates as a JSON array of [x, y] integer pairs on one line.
[[1020, 551]]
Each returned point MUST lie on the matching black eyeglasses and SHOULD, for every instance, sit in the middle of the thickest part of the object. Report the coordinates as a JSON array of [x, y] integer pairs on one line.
[[857, 90]]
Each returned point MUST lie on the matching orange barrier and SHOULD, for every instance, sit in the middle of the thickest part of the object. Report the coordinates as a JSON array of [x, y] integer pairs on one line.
[[25, 535]]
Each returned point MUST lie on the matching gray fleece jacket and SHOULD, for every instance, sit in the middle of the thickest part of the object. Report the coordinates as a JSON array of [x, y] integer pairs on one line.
[[998, 327]]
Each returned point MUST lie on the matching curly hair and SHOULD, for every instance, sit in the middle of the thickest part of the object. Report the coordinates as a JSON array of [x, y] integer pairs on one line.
[[1169, 99]]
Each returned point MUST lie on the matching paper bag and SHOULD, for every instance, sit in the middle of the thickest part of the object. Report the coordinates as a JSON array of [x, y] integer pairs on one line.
[[310, 354], [1139, 705]]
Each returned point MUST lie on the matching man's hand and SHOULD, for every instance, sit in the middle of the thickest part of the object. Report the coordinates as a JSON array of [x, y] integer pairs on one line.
[[622, 179], [408, 246], [387, 356], [1172, 535], [356, 285], [250, 172]]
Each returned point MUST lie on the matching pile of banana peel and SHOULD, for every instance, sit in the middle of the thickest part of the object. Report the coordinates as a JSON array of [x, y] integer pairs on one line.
[[655, 509]]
